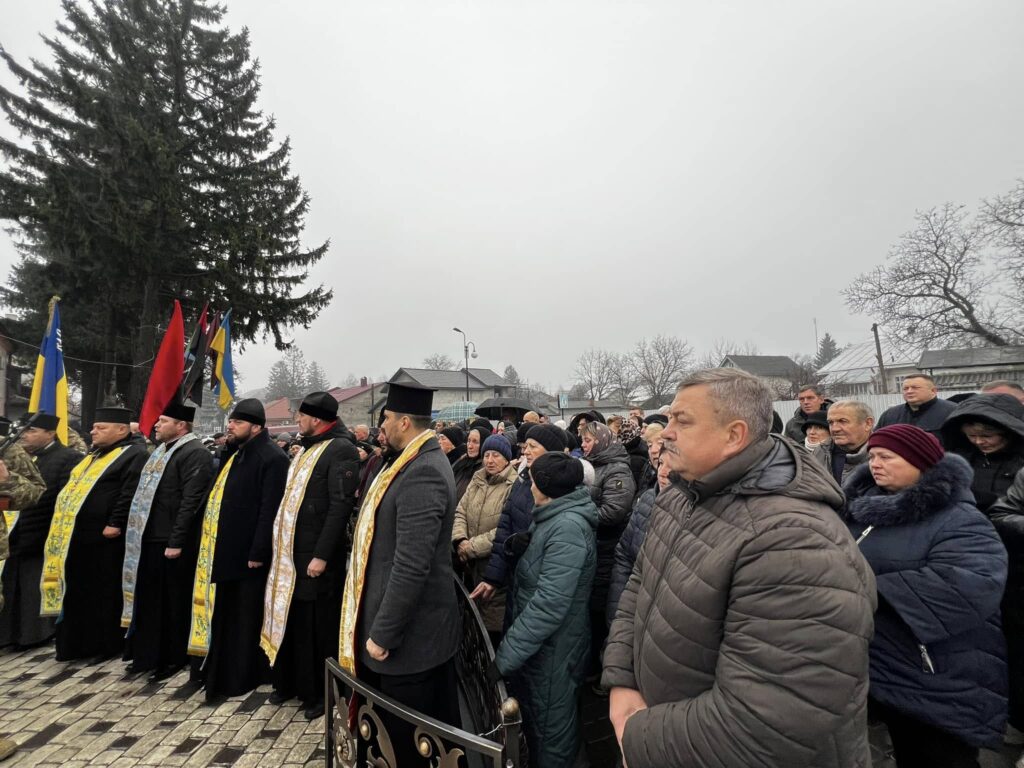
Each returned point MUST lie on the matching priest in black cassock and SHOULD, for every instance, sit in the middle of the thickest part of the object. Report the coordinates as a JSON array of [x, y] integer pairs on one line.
[[162, 544], [84, 550], [307, 573], [20, 622], [235, 551]]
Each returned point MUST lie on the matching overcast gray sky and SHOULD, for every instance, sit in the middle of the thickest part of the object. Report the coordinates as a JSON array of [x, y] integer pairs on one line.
[[551, 176]]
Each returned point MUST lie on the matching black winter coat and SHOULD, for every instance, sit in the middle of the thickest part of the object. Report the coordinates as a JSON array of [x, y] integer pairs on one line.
[[464, 469], [629, 547], [993, 472], [612, 491], [321, 527], [1007, 515], [252, 494], [54, 463], [930, 416], [938, 653], [638, 459], [174, 519], [516, 517]]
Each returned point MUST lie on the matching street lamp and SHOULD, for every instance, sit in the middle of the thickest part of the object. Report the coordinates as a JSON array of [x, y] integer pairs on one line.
[[465, 349]]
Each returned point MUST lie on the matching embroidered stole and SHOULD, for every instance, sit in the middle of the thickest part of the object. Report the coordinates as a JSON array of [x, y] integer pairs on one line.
[[362, 541], [69, 502], [281, 581], [203, 590], [142, 503]]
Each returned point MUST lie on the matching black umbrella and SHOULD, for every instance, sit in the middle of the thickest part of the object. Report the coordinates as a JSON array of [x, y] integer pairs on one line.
[[493, 407]]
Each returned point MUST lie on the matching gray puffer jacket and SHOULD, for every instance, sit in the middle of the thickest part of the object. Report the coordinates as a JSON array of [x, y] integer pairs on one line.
[[746, 622]]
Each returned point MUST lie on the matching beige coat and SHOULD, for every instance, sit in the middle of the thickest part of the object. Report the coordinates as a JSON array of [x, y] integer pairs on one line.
[[476, 520]]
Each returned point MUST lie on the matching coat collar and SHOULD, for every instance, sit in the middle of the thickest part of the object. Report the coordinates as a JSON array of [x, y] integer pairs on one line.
[[947, 482]]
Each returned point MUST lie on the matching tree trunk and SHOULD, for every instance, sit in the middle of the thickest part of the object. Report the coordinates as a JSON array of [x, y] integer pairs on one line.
[[144, 346]]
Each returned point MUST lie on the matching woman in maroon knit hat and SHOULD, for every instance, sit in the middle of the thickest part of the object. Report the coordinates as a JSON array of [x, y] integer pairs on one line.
[[938, 659]]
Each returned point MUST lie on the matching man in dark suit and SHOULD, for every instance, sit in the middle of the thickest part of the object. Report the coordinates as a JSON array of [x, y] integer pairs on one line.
[[401, 624]]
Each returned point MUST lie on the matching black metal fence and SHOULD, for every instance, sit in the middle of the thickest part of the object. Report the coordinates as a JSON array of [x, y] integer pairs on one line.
[[491, 736]]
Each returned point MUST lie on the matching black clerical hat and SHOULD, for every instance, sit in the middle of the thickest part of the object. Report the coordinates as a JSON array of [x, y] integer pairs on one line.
[[45, 421], [410, 399], [250, 409], [178, 410], [113, 415], [319, 405]]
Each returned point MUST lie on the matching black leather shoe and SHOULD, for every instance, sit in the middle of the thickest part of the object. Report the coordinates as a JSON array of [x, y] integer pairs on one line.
[[163, 673], [313, 711], [277, 697]]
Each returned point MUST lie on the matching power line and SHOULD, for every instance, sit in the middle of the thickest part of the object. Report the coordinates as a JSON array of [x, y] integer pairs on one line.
[[82, 359]]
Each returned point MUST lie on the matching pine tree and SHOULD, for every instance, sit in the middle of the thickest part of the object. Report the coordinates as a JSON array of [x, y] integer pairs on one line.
[[145, 172], [316, 378], [828, 350], [279, 382]]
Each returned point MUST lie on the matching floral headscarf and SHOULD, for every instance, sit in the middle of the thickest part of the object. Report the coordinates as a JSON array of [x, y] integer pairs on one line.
[[628, 432], [603, 436]]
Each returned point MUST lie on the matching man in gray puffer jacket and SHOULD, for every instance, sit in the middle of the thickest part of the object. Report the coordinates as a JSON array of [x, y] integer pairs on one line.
[[741, 638]]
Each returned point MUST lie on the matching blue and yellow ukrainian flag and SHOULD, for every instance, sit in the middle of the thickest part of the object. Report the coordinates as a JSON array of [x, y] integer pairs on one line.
[[50, 388], [224, 374]]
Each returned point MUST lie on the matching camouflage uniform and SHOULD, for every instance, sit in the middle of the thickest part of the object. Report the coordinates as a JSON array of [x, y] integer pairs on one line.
[[25, 485], [75, 441]]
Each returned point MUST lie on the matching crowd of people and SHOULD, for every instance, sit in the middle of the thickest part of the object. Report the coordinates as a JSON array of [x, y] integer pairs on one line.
[[743, 591]]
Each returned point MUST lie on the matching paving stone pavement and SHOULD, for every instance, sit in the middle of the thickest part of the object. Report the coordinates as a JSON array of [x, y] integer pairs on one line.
[[72, 715]]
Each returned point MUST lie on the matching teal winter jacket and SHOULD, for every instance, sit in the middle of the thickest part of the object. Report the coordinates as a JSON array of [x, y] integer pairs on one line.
[[546, 648]]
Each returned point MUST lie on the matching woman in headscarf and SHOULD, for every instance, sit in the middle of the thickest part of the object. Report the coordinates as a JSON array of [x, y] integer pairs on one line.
[[937, 658], [636, 448], [453, 442], [612, 490], [470, 462]]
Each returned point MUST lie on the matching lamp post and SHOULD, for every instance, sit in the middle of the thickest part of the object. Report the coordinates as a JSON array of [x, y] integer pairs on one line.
[[465, 349]]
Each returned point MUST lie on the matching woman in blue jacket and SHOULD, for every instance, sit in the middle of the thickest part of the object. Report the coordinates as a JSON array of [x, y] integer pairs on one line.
[[545, 650], [938, 669]]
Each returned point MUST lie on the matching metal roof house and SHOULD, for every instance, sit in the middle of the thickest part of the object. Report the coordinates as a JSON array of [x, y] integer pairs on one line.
[[972, 368], [451, 385], [854, 371]]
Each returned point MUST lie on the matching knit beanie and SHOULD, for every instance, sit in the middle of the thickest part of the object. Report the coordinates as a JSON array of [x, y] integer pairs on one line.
[[911, 443], [549, 436], [523, 430], [816, 419], [556, 474], [497, 443], [482, 424], [456, 435]]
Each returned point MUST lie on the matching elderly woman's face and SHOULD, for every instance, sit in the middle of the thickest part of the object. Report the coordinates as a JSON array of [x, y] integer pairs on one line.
[[532, 450], [494, 462], [473, 444], [816, 435], [891, 471], [446, 445], [654, 449], [987, 438], [588, 443]]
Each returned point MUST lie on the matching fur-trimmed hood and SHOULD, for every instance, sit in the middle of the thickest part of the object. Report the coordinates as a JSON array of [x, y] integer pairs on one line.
[[939, 487]]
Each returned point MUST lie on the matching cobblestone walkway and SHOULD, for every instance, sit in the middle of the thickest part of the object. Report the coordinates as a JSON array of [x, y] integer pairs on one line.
[[72, 715]]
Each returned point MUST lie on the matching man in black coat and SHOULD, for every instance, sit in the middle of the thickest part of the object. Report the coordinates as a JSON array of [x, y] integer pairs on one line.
[[922, 406], [235, 664], [90, 624], [20, 622], [303, 596], [162, 544], [406, 627]]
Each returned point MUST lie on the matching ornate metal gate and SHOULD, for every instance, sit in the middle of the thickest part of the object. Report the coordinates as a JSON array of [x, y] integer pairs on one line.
[[492, 737]]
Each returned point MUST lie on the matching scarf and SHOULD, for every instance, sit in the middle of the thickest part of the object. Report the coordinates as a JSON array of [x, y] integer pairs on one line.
[[361, 544], [69, 502], [142, 504], [602, 436], [281, 582], [203, 590]]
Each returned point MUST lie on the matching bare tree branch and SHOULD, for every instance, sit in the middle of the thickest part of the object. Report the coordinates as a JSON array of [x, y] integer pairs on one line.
[[660, 363]]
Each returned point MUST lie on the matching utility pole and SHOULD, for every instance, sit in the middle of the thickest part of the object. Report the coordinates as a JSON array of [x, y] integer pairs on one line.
[[881, 361]]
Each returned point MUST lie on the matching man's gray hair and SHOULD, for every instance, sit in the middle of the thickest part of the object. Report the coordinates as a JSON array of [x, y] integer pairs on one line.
[[737, 396], [861, 410]]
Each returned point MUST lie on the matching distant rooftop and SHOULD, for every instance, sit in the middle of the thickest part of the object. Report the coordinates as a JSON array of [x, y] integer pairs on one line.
[[769, 366], [971, 358]]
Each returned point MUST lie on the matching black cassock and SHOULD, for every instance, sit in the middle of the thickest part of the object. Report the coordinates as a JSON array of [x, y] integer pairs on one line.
[[158, 639], [255, 484], [90, 623]]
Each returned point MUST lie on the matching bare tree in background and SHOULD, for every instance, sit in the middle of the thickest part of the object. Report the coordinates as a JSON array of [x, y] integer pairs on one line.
[[439, 362], [593, 374], [1003, 219], [721, 349], [622, 378], [660, 363], [937, 288]]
